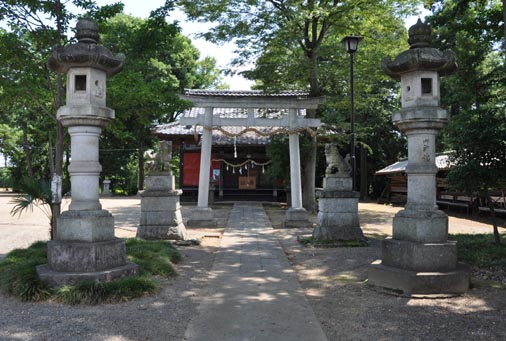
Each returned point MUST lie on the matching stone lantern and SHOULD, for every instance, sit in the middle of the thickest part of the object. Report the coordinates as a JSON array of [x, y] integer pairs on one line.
[[85, 247], [419, 259]]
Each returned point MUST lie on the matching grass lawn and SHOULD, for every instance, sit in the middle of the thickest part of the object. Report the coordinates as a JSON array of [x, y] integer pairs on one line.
[[18, 276], [479, 250]]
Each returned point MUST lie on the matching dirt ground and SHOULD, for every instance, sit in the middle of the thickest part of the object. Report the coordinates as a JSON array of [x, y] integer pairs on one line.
[[161, 317], [333, 279]]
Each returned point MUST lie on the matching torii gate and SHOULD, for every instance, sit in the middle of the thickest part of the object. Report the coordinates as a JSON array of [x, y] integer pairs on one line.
[[293, 101]]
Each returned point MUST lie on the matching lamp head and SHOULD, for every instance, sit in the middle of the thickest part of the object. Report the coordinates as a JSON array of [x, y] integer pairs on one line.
[[351, 43]]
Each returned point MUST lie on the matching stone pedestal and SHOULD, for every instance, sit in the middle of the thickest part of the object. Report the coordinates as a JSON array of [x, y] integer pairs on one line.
[[202, 217], [337, 211], [106, 191], [296, 217], [85, 248], [160, 209], [419, 260]]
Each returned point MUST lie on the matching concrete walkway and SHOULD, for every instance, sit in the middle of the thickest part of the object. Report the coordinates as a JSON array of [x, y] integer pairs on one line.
[[253, 292]]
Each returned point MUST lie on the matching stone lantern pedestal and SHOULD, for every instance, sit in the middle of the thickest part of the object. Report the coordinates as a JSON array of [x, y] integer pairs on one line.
[[160, 209], [84, 248], [419, 259], [106, 191]]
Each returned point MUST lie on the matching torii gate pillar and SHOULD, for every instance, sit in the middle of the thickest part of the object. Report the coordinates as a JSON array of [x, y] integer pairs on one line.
[[296, 215], [202, 216]]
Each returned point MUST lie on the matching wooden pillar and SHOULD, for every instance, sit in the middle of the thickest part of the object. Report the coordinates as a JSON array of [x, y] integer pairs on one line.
[[222, 176], [181, 163]]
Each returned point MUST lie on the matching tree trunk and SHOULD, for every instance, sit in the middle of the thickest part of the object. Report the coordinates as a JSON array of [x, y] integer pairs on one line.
[[28, 153], [58, 160], [58, 156], [363, 174], [497, 236], [141, 164], [309, 193]]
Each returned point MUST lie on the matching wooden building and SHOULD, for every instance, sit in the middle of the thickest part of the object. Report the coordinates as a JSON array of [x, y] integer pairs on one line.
[[396, 189], [238, 163]]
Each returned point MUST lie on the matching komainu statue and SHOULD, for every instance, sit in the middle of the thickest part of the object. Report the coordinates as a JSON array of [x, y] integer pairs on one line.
[[159, 161], [336, 165]]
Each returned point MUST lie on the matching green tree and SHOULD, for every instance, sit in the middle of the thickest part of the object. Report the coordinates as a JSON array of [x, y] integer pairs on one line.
[[160, 64], [296, 42], [35, 27], [475, 95], [465, 27], [9, 138], [478, 156]]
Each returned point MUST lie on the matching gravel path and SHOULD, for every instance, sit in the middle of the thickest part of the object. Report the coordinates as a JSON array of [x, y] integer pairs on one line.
[[334, 281]]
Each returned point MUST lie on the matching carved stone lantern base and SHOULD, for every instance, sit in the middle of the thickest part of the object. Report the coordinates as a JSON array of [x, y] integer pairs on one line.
[[419, 260], [71, 262], [411, 283]]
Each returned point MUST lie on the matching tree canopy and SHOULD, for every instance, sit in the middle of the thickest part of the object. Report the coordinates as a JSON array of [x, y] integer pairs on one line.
[[296, 44], [475, 95], [160, 63]]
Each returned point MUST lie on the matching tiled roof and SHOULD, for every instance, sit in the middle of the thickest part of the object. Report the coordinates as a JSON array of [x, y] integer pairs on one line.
[[248, 138], [442, 163], [246, 93]]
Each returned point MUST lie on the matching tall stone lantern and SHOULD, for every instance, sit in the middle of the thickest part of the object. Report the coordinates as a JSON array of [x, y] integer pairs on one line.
[[419, 259], [85, 247]]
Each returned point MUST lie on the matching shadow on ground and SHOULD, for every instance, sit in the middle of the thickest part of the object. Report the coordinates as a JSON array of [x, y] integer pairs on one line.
[[335, 282]]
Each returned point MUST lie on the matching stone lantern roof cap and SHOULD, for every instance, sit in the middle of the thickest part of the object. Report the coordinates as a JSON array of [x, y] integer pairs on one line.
[[420, 56], [419, 35], [86, 52], [87, 31]]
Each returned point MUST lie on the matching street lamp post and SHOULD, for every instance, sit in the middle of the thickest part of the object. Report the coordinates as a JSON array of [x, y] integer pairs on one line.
[[351, 46]]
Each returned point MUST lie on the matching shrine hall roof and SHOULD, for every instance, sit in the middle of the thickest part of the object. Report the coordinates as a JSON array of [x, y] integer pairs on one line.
[[219, 137]]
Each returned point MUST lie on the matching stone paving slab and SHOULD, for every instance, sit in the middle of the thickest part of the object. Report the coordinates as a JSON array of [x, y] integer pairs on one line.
[[253, 292]]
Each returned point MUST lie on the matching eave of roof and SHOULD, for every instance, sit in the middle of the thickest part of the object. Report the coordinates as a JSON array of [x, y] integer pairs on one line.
[[442, 163], [219, 138], [245, 93]]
